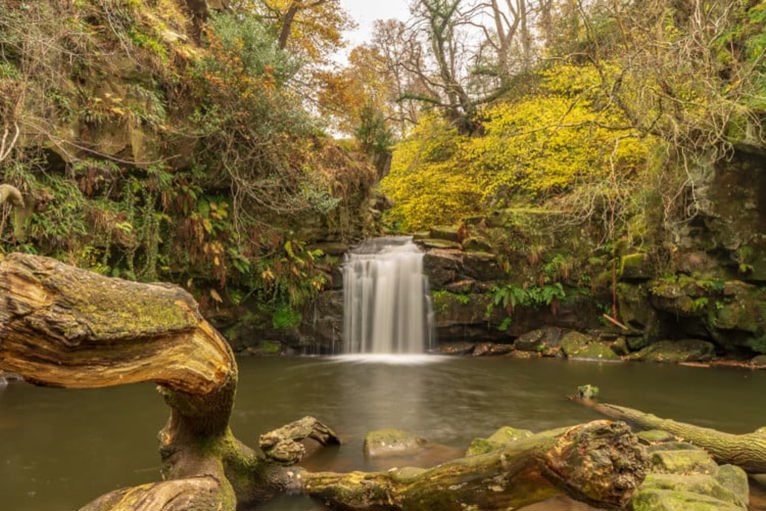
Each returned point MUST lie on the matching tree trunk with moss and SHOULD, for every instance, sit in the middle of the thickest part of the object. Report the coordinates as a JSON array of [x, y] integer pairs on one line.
[[747, 451], [62, 326]]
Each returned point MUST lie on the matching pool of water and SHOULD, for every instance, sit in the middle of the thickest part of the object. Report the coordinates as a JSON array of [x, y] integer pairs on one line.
[[61, 448]]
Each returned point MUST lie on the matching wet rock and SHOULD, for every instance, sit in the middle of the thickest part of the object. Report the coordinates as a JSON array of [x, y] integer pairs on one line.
[[687, 350], [462, 286], [392, 442], [482, 266], [544, 339], [322, 326], [458, 308], [524, 355], [455, 348], [486, 349], [582, 347], [442, 266], [759, 361]]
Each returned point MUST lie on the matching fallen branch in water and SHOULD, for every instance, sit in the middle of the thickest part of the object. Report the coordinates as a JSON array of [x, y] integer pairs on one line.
[[747, 451]]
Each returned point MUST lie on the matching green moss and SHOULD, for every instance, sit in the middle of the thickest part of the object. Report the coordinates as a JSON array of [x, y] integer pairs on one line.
[[687, 350], [443, 300], [285, 318], [578, 346]]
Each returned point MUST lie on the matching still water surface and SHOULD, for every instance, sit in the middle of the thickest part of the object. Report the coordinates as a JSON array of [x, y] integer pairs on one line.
[[61, 448]]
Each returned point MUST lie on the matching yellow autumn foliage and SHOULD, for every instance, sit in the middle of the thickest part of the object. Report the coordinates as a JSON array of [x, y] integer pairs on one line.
[[540, 146]]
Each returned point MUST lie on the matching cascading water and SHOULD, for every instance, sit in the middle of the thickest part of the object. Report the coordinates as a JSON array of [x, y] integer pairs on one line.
[[387, 307]]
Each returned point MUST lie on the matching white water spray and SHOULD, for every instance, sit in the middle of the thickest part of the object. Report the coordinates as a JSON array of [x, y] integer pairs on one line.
[[387, 305]]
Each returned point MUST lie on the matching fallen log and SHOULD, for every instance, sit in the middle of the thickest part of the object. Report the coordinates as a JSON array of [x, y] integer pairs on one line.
[[747, 451], [62, 326], [599, 463]]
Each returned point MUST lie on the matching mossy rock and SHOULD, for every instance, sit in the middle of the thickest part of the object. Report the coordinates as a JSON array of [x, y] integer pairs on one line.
[[499, 438], [636, 267], [440, 243], [265, 349], [759, 361], [477, 244], [582, 347], [482, 266], [736, 481], [445, 232], [542, 340], [652, 499], [682, 461], [674, 352], [655, 436], [702, 484], [391, 442]]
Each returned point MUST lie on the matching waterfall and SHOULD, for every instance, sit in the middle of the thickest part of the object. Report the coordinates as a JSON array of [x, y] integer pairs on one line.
[[387, 306]]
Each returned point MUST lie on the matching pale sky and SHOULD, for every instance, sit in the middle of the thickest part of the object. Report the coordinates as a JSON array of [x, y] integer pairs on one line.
[[365, 12]]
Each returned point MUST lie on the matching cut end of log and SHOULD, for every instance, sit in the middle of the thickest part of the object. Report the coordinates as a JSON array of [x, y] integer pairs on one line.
[[67, 327], [601, 463]]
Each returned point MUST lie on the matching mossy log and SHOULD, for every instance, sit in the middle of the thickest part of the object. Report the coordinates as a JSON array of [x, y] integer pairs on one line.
[[600, 463], [62, 326], [747, 451]]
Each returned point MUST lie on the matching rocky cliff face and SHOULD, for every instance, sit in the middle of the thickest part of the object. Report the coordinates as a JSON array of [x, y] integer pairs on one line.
[[707, 287]]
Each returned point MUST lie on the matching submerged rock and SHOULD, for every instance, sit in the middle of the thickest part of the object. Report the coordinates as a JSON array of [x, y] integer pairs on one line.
[[687, 350], [391, 442]]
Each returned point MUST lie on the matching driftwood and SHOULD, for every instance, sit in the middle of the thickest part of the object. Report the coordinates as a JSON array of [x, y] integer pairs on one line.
[[747, 451], [284, 445], [61, 326]]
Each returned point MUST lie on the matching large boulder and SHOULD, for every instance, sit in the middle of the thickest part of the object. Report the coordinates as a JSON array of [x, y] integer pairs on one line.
[[442, 266], [582, 347], [542, 340]]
